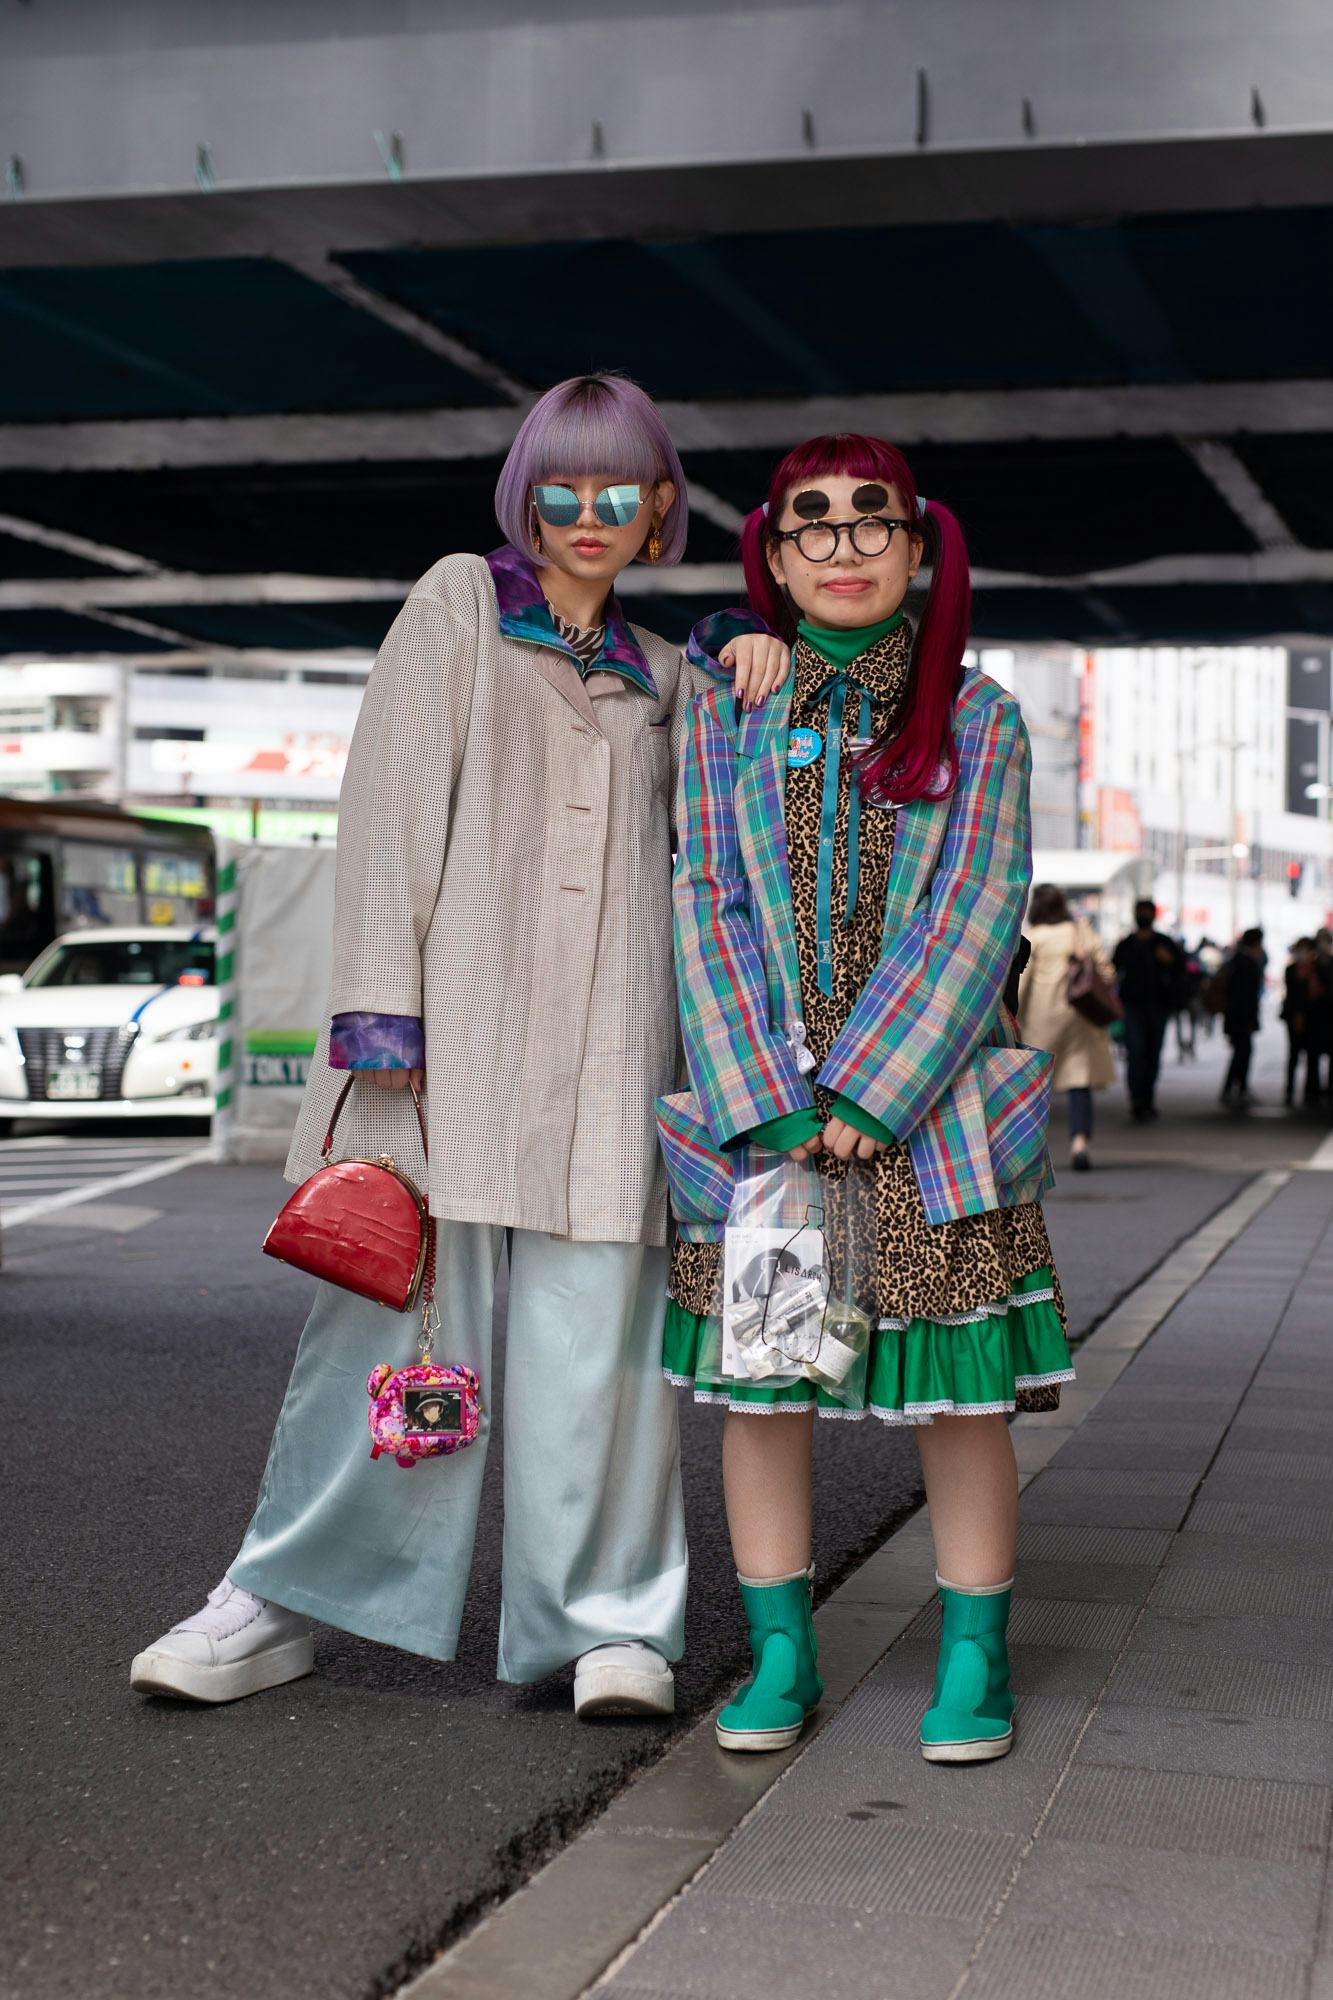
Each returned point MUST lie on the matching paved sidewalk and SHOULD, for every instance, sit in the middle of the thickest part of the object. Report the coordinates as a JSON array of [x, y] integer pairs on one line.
[[1162, 1825]]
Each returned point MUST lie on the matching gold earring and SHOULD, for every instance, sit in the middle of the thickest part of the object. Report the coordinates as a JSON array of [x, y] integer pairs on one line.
[[655, 539], [536, 534]]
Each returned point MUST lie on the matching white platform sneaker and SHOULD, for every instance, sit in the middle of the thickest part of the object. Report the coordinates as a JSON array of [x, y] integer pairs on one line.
[[625, 1679], [236, 1645]]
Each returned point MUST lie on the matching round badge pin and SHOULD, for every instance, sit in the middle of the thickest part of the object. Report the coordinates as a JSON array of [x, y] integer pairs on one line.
[[803, 746]]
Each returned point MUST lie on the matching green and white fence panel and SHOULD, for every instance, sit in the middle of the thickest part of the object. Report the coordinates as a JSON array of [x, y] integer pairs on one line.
[[224, 1095], [282, 934]]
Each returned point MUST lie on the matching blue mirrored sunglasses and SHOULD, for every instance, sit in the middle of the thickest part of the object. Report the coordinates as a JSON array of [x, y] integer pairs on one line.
[[560, 506]]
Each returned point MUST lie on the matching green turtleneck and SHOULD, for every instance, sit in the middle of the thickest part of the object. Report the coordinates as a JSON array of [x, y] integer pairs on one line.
[[840, 645]]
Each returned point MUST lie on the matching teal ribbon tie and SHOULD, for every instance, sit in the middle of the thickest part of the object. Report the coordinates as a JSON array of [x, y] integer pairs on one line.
[[836, 689]]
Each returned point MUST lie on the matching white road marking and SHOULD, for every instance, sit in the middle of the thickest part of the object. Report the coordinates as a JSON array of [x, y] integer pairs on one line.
[[48, 1204], [32, 1168], [19, 1182], [70, 1163], [12, 1183], [117, 1218], [30, 1152], [1321, 1160]]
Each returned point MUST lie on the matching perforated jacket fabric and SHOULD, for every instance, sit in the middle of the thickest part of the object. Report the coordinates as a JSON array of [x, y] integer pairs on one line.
[[504, 871]]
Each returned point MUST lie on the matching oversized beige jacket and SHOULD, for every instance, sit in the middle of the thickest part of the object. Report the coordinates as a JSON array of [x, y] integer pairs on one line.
[[1046, 1020], [504, 872]]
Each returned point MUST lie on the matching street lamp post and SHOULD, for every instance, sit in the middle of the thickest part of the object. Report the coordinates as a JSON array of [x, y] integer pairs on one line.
[[1235, 850], [1233, 746], [1324, 792]]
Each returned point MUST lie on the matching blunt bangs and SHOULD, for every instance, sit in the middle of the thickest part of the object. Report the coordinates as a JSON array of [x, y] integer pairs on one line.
[[845, 452], [590, 425]]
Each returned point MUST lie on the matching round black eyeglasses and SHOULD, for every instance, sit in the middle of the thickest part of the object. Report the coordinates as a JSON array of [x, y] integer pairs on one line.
[[818, 541]]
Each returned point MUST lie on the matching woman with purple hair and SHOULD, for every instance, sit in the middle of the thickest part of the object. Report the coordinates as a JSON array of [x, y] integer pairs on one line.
[[854, 865], [502, 929]]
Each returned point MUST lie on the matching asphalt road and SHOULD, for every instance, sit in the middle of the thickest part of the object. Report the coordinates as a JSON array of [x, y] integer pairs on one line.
[[325, 1839]]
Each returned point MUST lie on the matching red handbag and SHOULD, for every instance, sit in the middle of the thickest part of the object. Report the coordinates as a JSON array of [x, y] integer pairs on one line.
[[361, 1224]]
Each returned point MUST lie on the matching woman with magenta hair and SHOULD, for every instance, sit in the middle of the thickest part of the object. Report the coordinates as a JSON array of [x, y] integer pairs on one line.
[[854, 865], [502, 934]]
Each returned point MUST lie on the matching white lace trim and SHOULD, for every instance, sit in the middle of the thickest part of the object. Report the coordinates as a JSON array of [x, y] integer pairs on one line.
[[753, 1409], [997, 1310], [916, 1415], [911, 1413], [725, 1397]]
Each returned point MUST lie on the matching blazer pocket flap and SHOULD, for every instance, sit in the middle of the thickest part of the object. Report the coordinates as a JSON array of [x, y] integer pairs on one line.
[[1016, 1088], [699, 1176]]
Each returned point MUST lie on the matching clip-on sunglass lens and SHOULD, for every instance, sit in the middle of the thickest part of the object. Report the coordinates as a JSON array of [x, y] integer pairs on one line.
[[810, 505]]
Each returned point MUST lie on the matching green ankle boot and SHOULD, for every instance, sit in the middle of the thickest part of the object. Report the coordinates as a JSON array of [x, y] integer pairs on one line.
[[971, 1717], [770, 1711]]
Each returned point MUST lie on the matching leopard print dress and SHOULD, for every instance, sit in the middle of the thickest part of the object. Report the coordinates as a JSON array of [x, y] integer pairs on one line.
[[943, 1272]]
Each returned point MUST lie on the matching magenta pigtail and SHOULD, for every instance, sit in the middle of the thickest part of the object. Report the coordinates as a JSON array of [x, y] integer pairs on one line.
[[921, 760]]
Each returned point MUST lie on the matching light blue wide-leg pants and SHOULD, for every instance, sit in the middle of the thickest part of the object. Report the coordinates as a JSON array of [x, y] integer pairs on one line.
[[594, 1529]]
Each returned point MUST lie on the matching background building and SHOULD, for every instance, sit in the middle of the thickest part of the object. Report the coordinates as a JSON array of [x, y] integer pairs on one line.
[[266, 333]]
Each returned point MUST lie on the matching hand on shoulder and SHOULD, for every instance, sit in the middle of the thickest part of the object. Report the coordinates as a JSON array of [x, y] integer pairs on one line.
[[761, 662]]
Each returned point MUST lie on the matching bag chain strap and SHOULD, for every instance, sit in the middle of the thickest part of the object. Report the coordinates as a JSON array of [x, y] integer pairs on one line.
[[430, 1312]]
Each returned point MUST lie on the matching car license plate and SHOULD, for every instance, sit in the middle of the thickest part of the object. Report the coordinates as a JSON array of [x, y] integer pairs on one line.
[[73, 1082]]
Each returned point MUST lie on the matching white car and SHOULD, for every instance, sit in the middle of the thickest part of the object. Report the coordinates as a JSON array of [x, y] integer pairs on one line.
[[111, 1024]]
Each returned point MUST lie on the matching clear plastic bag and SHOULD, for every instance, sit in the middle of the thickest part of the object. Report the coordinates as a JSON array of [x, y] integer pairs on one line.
[[799, 1277]]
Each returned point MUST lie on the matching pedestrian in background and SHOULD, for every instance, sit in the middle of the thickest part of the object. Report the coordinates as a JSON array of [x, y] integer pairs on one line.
[[1190, 1011], [1049, 1019], [1211, 958], [1240, 1016], [1149, 970], [1298, 1017], [1319, 1074]]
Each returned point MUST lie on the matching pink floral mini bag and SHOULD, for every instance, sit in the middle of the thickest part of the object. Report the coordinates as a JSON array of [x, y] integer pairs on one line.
[[422, 1411]]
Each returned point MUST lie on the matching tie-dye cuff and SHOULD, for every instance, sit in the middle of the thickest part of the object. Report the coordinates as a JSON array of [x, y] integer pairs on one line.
[[377, 1041], [713, 633]]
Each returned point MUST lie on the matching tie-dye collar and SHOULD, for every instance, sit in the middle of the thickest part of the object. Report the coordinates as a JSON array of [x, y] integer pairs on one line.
[[525, 614]]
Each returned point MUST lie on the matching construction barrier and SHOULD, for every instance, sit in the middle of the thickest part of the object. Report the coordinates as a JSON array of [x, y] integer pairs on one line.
[[274, 968]]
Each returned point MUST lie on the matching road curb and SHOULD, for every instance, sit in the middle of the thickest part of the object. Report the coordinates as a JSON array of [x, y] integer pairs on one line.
[[563, 1931]]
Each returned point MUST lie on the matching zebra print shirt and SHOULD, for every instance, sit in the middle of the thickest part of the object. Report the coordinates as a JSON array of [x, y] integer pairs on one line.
[[585, 642]]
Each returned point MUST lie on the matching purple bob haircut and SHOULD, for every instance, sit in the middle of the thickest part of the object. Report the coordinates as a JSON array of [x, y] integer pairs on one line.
[[588, 425]]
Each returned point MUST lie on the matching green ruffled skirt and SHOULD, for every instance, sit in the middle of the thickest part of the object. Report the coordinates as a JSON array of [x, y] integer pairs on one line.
[[978, 1363]]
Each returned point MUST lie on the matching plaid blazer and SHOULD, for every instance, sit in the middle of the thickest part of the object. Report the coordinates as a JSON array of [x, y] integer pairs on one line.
[[929, 1048]]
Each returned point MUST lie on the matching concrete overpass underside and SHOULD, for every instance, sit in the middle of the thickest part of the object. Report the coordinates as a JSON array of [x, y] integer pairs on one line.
[[244, 417]]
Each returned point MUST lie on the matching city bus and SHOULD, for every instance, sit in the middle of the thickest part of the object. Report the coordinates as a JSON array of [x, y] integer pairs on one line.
[[67, 865]]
